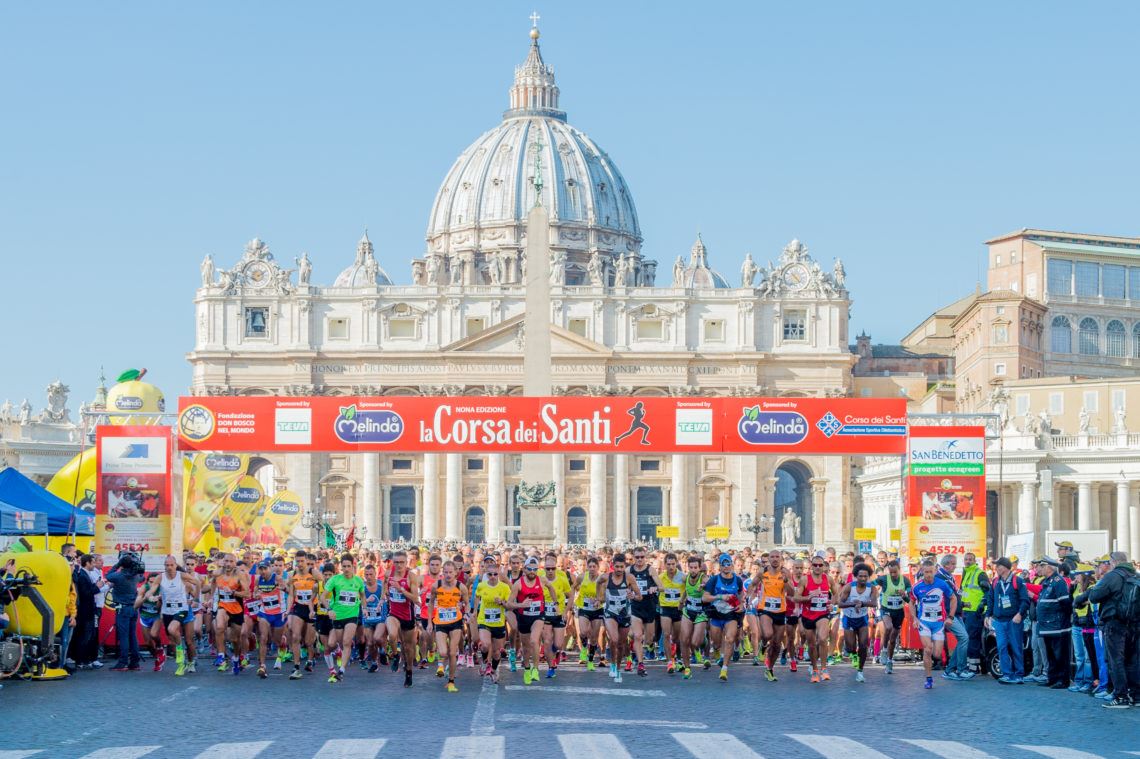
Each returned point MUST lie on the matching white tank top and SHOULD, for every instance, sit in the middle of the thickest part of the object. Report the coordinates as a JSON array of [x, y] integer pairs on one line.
[[174, 600], [855, 595]]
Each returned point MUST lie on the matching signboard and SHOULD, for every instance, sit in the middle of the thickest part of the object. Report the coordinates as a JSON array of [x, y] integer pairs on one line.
[[133, 492], [946, 499], [668, 531], [568, 424], [717, 533], [865, 539], [896, 535], [1020, 545]]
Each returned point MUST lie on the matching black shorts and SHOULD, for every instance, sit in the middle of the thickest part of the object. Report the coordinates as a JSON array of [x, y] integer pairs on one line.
[[792, 619], [339, 624], [696, 617], [323, 624], [647, 616], [898, 617], [557, 621], [423, 623], [622, 621], [526, 623], [236, 620], [449, 627], [778, 618], [302, 612], [497, 633], [184, 618], [591, 614], [670, 612]]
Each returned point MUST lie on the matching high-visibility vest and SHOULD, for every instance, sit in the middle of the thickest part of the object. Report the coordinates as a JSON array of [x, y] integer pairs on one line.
[[972, 593]]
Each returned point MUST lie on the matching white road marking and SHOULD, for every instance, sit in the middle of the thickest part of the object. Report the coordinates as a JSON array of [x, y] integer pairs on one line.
[[179, 694], [246, 750], [1059, 752], [121, 752], [543, 719], [632, 692], [592, 746], [715, 746], [949, 749], [838, 747], [483, 720], [474, 747], [20, 754], [347, 748]]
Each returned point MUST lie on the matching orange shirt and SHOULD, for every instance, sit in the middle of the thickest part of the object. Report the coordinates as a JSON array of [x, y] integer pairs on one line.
[[226, 587], [447, 602]]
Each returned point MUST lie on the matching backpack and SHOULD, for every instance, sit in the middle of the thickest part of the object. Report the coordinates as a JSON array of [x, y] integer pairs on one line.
[[1128, 602]]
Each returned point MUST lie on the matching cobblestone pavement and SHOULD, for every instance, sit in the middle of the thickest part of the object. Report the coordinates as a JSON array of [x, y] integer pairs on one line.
[[108, 715]]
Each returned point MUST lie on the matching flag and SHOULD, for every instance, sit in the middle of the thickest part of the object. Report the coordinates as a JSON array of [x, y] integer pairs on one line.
[[350, 539], [330, 536]]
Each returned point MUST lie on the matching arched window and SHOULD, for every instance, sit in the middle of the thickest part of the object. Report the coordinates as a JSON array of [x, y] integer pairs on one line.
[[475, 525], [576, 526], [1061, 335], [1115, 338], [793, 490], [1136, 341], [1088, 337]]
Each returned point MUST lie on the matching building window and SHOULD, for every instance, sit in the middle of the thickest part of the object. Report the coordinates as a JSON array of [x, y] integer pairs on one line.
[[577, 326], [1000, 310], [1114, 339], [1088, 337], [795, 325], [1134, 282], [257, 322], [1061, 335], [474, 465], [401, 465], [1013, 258], [1112, 285], [650, 465], [402, 328], [1059, 278], [1021, 404], [1136, 340], [997, 260], [1001, 334], [577, 465], [865, 392], [999, 370], [1088, 279], [475, 325], [650, 329], [1091, 401], [338, 328], [714, 331], [1056, 403]]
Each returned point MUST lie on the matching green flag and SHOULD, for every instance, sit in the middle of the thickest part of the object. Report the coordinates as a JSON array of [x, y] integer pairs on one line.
[[330, 537]]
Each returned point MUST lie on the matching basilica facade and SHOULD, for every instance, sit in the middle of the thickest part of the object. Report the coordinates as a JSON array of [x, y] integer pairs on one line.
[[620, 323]]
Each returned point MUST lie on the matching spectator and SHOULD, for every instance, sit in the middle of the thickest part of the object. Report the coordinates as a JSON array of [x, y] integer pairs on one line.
[[1006, 610], [975, 588], [70, 615], [1121, 635], [956, 668], [1086, 671], [85, 639], [1068, 556], [124, 581], [1054, 622]]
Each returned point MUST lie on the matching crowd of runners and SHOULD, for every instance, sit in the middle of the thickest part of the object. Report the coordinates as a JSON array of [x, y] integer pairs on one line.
[[494, 610]]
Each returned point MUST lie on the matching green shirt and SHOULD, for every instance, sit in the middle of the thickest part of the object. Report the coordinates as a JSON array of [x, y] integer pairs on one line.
[[346, 594]]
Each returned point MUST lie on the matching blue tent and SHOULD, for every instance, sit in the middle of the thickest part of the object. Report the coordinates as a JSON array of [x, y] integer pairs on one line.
[[28, 509]]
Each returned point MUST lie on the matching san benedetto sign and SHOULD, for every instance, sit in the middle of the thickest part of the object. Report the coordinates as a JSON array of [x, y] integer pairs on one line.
[[532, 424]]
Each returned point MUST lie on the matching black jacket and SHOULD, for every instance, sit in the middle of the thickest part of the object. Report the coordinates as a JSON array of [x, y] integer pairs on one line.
[[1054, 607], [1107, 591], [85, 593], [1006, 600]]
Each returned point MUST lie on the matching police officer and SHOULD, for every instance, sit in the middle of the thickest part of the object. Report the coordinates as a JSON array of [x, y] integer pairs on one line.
[[1068, 556], [975, 588], [1055, 622]]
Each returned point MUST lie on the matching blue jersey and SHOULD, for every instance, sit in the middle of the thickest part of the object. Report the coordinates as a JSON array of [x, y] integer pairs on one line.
[[374, 601], [721, 586], [932, 601]]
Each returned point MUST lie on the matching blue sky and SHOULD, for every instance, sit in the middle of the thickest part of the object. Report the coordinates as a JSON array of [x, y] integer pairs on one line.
[[898, 136]]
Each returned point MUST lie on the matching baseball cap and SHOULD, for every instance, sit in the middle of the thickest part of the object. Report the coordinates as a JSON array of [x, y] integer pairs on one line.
[[724, 560], [1103, 559], [1083, 569], [1013, 558], [531, 563], [1064, 544], [1004, 562]]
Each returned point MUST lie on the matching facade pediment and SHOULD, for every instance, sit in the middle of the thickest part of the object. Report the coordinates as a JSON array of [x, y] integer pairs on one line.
[[507, 337]]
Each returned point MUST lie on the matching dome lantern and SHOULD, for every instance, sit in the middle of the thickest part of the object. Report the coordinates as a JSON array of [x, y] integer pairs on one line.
[[534, 92]]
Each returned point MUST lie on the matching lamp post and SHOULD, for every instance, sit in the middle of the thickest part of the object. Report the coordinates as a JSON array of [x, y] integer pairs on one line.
[[316, 518], [715, 541], [757, 525]]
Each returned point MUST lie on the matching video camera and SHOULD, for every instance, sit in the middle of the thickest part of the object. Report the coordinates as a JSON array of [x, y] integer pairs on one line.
[[131, 562]]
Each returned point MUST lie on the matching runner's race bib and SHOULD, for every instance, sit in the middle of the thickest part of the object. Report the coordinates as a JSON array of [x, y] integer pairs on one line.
[[672, 594], [893, 602], [347, 598], [304, 596], [448, 615], [492, 614], [533, 609]]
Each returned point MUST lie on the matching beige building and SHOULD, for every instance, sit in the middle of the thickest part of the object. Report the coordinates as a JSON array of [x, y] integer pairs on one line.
[[998, 336]]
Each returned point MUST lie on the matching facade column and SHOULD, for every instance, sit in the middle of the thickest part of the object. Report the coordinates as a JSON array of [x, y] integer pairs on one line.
[[1025, 508], [430, 510], [621, 497], [1133, 523], [496, 498], [819, 528], [453, 504], [368, 510], [597, 528], [558, 474], [677, 504], [385, 513], [1123, 519], [666, 500], [418, 526], [631, 515], [1084, 506]]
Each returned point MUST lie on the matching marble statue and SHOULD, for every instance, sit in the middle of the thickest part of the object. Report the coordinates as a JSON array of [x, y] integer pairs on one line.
[[522, 267], [370, 269], [56, 410], [557, 267], [419, 273], [304, 269], [1046, 422], [839, 274], [1084, 419], [494, 264], [25, 412], [679, 272], [457, 266], [207, 269], [596, 270], [1119, 423], [748, 271], [649, 274], [790, 527], [433, 273]]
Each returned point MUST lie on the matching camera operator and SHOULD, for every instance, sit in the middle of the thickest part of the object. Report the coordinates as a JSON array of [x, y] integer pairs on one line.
[[124, 581]]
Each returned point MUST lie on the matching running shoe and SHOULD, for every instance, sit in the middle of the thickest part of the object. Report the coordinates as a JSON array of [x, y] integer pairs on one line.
[[237, 666], [825, 674], [192, 666], [383, 657], [724, 674], [333, 675], [583, 656], [373, 666], [439, 670], [219, 660], [814, 676], [551, 672], [308, 665], [395, 665], [451, 687], [687, 673], [534, 676], [784, 660], [590, 665], [180, 670], [890, 667], [855, 661], [511, 659], [262, 673], [613, 670], [407, 678], [295, 674], [159, 660], [670, 668], [755, 661], [769, 675], [967, 675], [792, 665], [641, 669], [628, 664], [617, 677], [859, 677], [950, 676], [929, 683]]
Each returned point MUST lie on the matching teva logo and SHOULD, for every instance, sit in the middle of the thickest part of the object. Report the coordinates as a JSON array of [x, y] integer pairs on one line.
[[757, 427], [133, 455], [381, 426], [694, 426], [936, 456], [293, 426]]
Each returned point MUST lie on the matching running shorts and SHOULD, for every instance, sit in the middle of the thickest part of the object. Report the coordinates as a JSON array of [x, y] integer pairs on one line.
[[791, 619], [897, 617], [591, 614], [339, 624], [622, 621], [274, 620], [237, 620], [716, 619], [932, 630], [526, 623], [854, 623], [323, 624], [647, 616], [181, 618], [671, 612], [301, 612], [497, 633], [557, 621], [696, 617], [449, 627], [147, 621], [778, 617]]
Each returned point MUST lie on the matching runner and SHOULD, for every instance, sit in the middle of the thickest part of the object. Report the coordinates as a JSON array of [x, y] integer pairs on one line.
[[425, 642], [618, 609], [149, 602], [527, 597], [447, 600], [270, 589], [725, 594], [932, 603], [302, 613], [694, 619], [374, 615], [772, 605], [403, 585], [894, 591], [492, 597], [816, 592], [554, 611], [589, 608], [514, 572], [177, 588], [792, 630], [669, 605], [856, 600], [343, 593], [230, 589], [751, 635]]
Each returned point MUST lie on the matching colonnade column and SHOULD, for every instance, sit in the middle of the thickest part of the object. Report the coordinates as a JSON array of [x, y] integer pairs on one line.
[[496, 498], [1026, 507], [368, 510], [430, 506], [385, 532], [453, 504], [597, 529], [621, 497], [1133, 524], [1084, 506], [418, 525], [1123, 519], [677, 505], [558, 475]]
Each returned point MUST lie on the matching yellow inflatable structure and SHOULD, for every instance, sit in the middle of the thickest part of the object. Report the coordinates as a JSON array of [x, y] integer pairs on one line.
[[41, 610]]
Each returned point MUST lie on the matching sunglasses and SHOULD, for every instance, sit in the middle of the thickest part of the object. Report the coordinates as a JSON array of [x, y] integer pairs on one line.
[[492, 574], [817, 566]]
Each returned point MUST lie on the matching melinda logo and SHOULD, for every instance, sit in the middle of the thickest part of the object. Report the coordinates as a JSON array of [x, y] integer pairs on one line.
[[223, 462], [128, 403], [286, 507], [381, 426], [947, 455], [758, 427], [245, 495]]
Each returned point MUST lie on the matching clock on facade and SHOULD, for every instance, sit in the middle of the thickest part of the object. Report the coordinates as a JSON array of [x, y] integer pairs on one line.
[[795, 276], [258, 274]]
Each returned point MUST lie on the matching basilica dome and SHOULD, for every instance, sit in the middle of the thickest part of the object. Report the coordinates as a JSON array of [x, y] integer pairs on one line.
[[485, 198], [364, 271]]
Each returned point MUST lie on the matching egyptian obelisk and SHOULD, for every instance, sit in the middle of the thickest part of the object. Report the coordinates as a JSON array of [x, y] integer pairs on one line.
[[536, 492]]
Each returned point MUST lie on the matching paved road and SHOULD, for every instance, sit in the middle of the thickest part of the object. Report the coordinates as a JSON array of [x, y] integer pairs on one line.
[[106, 715]]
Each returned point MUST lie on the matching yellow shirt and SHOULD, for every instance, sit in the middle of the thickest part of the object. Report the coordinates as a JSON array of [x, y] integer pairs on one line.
[[672, 588], [562, 586], [492, 603]]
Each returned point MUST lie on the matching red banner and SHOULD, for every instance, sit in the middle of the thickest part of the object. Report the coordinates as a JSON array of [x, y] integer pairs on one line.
[[408, 424], [133, 492]]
